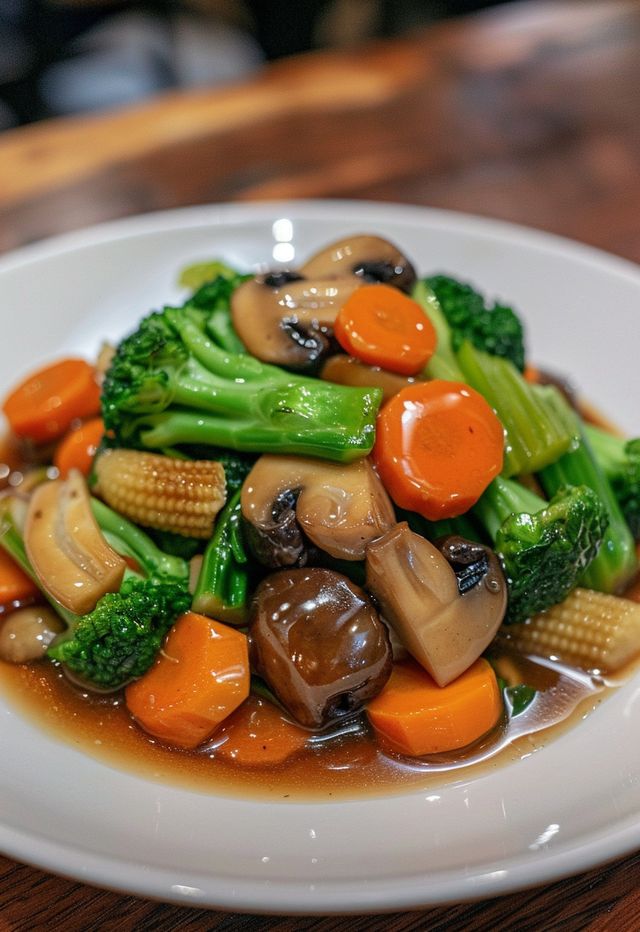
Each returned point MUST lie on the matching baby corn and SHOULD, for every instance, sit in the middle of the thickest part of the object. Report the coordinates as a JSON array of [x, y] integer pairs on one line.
[[589, 630], [183, 496]]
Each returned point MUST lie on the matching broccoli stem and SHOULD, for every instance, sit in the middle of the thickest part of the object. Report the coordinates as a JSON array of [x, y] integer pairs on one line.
[[127, 538], [221, 589], [443, 364], [535, 434], [504, 498], [616, 563], [287, 419]]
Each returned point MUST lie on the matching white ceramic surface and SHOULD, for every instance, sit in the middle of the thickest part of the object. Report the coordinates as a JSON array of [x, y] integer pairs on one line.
[[570, 805]]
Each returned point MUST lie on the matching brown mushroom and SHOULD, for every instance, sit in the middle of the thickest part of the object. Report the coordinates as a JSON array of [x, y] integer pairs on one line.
[[286, 500], [318, 642], [68, 552], [369, 258], [445, 624], [27, 632], [288, 321], [347, 370]]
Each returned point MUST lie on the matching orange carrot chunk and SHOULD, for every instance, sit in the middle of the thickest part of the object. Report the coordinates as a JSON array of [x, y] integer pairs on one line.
[[258, 735], [383, 327], [15, 585], [438, 446], [200, 677], [43, 407], [415, 716], [77, 448]]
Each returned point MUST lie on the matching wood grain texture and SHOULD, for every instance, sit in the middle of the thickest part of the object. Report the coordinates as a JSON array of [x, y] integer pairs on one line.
[[529, 112]]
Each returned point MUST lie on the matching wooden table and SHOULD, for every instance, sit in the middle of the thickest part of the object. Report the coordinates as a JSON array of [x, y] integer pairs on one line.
[[528, 112]]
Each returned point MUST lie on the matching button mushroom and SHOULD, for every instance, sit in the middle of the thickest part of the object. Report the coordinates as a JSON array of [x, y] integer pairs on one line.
[[27, 632], [368, 257], [288, 321], [445, 603], [287, 499], [318, 642]]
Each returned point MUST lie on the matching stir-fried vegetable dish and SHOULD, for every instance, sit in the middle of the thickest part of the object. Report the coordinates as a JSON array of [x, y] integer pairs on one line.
[[314, 504]]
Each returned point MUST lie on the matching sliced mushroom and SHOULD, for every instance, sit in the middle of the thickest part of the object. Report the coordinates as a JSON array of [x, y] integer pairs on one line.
[[419, 594], [347, 370], [289, 323], [318, 642], [68, 552], [286, 499], [368, 257]]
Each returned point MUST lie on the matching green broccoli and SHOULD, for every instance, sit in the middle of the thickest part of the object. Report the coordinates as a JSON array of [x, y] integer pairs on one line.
[[620, 460], [616, 563], [534, 433], [169, 384], [496, 330], [118, 640], [544, 546], [214, 283], [222, 587]]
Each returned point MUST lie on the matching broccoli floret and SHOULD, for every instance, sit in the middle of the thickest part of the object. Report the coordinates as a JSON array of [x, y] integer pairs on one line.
[[118, 641], [169, 385], [222, 586], [215, 283], [616, 563], [495, 329], [620, 460], [544, 547], [120, 638], [535, 434]]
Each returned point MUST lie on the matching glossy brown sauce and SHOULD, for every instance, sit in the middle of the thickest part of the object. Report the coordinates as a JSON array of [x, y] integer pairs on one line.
[[330, 767]]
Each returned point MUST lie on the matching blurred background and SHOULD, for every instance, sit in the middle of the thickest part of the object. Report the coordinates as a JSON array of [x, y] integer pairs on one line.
[[59, 57]]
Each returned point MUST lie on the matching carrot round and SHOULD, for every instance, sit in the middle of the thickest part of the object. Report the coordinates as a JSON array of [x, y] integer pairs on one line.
[[383, 327], [15, 585], [258, 735], [415, 716], [77, 448], [200, 677], [438, 446], [43, 407]]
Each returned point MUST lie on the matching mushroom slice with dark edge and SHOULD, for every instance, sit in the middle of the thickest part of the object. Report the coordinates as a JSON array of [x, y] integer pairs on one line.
[[418, 587], [370, 258], [317, 641], [66, 548], [347, 370], [288, 321], [286, 499]]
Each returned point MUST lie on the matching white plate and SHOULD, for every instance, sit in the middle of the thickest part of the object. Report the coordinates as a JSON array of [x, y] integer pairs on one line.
[[563, 809]]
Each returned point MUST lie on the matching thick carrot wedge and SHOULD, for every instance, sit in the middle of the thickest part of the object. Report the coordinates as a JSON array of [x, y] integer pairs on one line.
[[44, 406], [258, 735], [200, 678], [14, 584], [77, 449], [414, 716]]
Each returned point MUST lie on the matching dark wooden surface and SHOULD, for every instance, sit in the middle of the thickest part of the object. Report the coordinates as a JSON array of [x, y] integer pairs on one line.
[[528, 112]]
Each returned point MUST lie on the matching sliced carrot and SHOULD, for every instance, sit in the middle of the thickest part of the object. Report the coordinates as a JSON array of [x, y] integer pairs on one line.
[[531, 374], [438, 446], [200, 677], [415, 716], [77, 448], [383, 327], [44, 406], [15, 585], [258, 735]]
